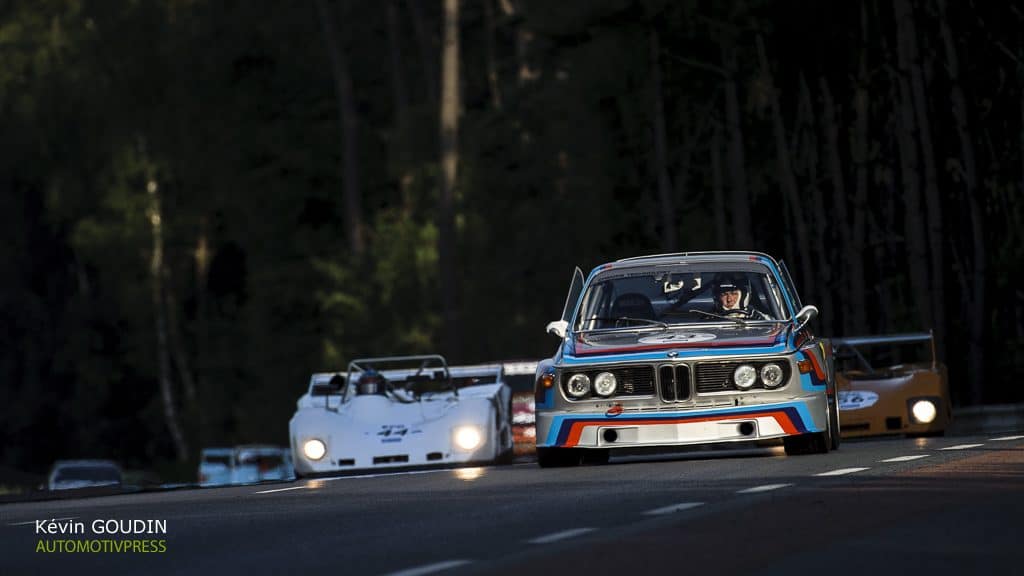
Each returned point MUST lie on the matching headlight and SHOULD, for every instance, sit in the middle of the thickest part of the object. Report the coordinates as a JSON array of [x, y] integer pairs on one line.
[[924, 411], [605, 383], [468, 437], [771, 375], [579, 385], [744, 376], [314, 449]]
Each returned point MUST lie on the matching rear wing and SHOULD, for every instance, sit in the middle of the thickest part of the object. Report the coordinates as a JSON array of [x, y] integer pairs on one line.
[[521, 367], [905, 338]]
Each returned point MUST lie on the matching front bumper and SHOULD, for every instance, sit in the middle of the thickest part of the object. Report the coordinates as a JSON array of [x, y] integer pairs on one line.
[[674, 427]]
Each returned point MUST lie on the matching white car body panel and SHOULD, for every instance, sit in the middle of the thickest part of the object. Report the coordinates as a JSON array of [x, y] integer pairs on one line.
[[395, 430], [215, 466]]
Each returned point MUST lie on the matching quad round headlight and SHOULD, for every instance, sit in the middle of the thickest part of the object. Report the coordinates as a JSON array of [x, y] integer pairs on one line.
[[744, 376], [604, 384], [468, 437], [578, 385], [924, 411], [314, 449], [771, 375]]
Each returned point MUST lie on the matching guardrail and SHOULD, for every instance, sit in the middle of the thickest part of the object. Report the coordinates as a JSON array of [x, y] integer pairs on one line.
[[987, 418]]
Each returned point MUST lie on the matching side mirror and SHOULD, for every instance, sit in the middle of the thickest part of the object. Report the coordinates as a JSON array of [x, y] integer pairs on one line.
[[805, 315], [557, 328]]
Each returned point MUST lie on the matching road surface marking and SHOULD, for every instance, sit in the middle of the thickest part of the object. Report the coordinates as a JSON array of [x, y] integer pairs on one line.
[[430, 568], [385, 474], [765, 488], [560, 536], [1005, 438], [315, 482], [282, 490], [961, 447], [904, 458], [44, 520], [842, 471], [673, 508]]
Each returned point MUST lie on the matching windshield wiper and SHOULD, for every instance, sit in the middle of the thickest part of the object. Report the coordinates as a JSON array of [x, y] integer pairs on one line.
[[739, 321], [659, 323]]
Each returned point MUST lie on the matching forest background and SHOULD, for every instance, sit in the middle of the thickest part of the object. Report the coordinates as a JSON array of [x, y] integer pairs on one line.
[[202, 202]]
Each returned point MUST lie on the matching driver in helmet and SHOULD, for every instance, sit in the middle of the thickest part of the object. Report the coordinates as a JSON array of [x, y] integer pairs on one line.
[[732, 300], [371, 383]]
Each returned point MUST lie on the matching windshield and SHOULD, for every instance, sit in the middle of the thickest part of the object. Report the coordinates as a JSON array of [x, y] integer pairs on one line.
[[224, 459], [881, 357], [89, 473], [262, 461], [660, 297]]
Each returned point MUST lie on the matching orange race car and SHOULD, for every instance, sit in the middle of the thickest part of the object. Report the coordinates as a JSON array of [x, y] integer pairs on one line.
[[887, 385]]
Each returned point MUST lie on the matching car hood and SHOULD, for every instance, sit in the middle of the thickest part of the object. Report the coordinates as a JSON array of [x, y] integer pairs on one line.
[[687, 341]]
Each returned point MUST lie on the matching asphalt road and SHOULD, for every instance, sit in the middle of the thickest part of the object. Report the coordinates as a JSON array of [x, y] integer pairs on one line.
[[895, 506]]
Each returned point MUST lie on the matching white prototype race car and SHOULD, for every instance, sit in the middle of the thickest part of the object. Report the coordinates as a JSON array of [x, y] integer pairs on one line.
[[401, 411]]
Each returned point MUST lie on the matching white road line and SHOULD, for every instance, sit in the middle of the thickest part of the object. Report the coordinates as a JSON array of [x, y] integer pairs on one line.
[[282, 490], [905, 458], [430, 568], [560, 536], [765, 488], [1005, 438], [44, 520], [380, 475], [673, 508], [961, 447], [385, 474], [842, 471]]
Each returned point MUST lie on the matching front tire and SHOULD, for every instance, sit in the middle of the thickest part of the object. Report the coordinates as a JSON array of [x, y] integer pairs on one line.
[[814, 443], [558, 457], [598, 456], [833, 422], [504, 455]]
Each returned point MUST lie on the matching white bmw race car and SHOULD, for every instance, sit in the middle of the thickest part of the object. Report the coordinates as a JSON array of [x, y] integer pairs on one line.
[[399, 412]]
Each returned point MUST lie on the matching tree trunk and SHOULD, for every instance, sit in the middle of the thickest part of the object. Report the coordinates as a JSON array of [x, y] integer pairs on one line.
[[787, 180], [914, 231], [907, 31], [349, 127], [427, 50], [859, 151], [156, 267], [524, 37], [819, 247], [203, 256], [668, 212], [492, 55], [741, 237], [449, 171], [402, 140], [717, 189], [703, 119], [853, 267], [178, 354], [976, 312]]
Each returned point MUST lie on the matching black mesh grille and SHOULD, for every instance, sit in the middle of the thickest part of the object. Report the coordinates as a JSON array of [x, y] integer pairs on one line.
[[667, 379], [675, 382], [717, 376], [682, 382], [635, 380]]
